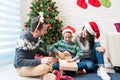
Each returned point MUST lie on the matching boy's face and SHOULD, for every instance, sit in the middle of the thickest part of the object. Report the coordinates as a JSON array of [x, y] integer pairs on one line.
[[67, 37]]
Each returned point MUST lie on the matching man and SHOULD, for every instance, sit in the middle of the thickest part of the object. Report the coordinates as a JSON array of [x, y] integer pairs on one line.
[[28, 46]]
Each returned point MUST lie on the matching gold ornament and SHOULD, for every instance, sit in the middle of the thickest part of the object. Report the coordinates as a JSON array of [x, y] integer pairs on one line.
[[57, 18]]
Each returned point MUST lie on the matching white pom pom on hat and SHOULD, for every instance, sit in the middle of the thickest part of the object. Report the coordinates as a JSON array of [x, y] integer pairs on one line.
[[93, 29], [68, 29]]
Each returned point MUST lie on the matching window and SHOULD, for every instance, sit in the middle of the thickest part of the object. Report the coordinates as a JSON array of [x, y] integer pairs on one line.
[[10, 28]]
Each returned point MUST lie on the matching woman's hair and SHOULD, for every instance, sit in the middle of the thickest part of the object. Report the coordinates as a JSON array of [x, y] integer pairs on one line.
[[90, 39], [36, 24]]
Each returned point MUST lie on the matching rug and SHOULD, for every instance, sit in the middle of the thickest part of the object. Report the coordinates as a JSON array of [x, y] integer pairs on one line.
[[94, 76]]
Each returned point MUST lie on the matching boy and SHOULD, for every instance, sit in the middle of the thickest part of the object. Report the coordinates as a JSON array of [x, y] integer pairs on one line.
[[67, 45]]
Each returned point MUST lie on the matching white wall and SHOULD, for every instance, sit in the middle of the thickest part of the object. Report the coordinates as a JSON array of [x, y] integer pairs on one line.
[[25, 4], [72, 14]]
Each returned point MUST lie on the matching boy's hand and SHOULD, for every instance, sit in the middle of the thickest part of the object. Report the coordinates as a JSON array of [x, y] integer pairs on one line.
[[70, 60], [61, 55]]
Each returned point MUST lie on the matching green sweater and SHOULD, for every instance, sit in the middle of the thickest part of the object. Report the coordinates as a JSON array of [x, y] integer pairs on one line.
[[71, 47]]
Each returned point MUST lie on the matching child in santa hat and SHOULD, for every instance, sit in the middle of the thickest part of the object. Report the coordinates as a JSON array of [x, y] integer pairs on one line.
[[67, 45], [88, 41]]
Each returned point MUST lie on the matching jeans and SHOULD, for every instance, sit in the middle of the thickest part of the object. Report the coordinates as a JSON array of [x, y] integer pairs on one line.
[[90, 64], [95, 60], [81, 66]]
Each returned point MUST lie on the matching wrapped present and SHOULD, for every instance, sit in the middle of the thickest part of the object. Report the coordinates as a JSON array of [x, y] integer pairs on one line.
[[69, 66]]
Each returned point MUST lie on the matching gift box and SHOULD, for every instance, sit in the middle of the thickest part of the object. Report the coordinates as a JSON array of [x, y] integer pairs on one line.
[[69, 66]]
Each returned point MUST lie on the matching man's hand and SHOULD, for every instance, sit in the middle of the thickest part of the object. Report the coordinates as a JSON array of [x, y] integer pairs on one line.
[[52, 54], [46, 60]]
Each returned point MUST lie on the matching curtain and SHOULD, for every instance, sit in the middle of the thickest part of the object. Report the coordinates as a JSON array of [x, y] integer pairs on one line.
[[10, 28]]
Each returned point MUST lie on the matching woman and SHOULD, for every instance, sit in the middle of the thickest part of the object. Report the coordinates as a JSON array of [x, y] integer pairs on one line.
[[93, 52]]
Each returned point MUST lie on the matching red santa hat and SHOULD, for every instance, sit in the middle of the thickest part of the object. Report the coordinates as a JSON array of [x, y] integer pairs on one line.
[[93, 29], [68, 29]]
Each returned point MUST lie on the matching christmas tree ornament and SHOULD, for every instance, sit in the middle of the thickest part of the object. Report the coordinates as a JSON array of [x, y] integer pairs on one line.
[[105, 3], [49, 8], [57, 11], [31, 10], [49, 25], [25, 25], [36, 1], [52, 3], [48, 16], [37, 8], [54, 38], [95, 3], [82, 4], [41, 5], [57, 18], [28, 18], [55, 22]]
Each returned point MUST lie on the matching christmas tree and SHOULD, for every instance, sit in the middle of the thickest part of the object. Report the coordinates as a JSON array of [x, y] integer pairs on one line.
[[50, 13]]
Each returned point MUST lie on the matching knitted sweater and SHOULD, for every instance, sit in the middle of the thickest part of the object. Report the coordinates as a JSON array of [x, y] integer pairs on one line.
[[26, 48], [62, 46], [85, 48]]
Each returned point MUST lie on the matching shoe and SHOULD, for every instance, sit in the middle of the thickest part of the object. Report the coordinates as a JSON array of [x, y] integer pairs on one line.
[[83, 71], [49, 76], [103, 74], [58, 72]]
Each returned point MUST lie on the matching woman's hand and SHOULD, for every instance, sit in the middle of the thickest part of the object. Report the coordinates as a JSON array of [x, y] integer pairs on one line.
[[100, 49]]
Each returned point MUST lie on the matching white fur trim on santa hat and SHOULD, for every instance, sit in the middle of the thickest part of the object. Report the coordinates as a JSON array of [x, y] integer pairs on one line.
[[66, 30], [89, 29]]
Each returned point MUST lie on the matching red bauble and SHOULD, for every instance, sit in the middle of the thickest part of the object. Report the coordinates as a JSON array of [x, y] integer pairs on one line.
[[25, 25], [54, 38], [49, 25], [49, 8]]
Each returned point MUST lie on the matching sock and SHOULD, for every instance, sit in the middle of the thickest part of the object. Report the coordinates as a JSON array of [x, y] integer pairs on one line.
[[105, 3], [82, 4], [94, 3]]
